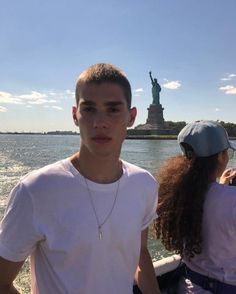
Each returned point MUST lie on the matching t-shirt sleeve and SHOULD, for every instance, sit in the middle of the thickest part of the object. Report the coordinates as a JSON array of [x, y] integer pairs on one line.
[[151, 206], [18, 235]]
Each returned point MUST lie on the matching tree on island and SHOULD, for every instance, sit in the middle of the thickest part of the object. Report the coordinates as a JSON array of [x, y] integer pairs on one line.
[[177, 126], [230, 128]]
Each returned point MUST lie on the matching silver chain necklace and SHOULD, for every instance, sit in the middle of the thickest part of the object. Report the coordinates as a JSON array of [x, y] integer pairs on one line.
[[100, 224]]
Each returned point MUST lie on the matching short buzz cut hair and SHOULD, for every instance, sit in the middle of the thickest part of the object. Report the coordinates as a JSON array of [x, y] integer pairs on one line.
[[103, 73]]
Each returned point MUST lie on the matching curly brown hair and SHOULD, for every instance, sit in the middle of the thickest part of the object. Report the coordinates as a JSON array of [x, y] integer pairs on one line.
[[183, 185]]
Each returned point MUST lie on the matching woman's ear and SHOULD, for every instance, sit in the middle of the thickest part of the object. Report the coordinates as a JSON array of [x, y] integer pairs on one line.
[[222, 159], [132, 116]]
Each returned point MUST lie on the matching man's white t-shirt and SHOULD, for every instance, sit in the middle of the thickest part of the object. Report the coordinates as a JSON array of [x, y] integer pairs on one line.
[[50, 217]]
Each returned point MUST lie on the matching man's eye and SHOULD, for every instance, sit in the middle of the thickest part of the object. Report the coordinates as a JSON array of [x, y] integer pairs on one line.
[[88, 109], [113, 109]]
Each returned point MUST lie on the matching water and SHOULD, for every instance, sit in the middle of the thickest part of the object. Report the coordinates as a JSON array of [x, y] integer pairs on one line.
[[20, 154]]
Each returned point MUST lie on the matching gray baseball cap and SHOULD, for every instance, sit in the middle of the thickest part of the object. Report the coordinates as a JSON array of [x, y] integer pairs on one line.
[[205, 137]]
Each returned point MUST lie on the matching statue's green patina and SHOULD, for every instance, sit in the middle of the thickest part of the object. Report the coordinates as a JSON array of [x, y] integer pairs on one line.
[[156, 89]]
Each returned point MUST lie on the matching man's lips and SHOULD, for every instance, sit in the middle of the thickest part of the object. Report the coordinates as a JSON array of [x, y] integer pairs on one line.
[[101, 139]]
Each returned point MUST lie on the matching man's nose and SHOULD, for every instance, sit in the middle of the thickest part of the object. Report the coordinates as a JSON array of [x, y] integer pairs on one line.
[[100, 120]]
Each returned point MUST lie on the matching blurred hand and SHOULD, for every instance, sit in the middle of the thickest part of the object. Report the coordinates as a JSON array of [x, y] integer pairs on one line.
[[227, 176]]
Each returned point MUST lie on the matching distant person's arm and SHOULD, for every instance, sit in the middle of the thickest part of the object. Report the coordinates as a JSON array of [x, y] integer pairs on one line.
[[8, 273], [227, 176], [145, 274]]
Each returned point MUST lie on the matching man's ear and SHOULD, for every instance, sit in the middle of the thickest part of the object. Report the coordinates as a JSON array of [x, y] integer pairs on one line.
[[132, 116], [74, 112]]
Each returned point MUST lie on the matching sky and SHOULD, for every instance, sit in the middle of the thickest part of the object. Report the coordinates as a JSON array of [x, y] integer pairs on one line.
[[188, 45]]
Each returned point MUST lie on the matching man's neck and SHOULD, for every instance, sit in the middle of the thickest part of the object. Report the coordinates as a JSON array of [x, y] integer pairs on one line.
[[100, 169]]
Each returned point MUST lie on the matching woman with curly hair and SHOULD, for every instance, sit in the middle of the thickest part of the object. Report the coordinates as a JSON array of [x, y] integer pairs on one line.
[[197, 214]]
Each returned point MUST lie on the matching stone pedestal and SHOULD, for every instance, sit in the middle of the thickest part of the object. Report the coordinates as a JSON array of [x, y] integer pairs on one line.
[[155, 116]]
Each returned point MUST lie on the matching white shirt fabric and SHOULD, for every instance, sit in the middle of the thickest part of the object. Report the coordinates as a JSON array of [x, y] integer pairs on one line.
[[50, 217], [218, 257]]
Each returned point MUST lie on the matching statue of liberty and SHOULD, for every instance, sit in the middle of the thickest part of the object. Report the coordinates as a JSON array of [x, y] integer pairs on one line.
[[156, 89]]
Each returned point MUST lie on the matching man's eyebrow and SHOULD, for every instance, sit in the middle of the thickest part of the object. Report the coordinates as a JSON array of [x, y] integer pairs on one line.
[[87, 103], [109, 103], [114, 103]]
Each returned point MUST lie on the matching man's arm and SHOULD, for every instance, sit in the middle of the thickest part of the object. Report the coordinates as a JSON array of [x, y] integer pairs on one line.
[[8, 273], [145, 274]]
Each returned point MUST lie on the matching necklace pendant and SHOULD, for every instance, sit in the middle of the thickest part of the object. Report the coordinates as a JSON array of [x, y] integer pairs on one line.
[[100, 233], [101, 223]]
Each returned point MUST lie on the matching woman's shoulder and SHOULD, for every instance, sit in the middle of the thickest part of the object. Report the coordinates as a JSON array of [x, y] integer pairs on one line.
[[221, 191]]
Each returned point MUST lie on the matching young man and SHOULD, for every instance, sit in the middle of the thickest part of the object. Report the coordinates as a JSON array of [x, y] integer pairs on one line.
[[84, 220]]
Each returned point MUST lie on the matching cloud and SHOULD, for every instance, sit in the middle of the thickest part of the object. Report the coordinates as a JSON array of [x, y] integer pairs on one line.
[[61, 95], [217, 109], [69, 92], [228, 77], [3, 109], [139, 90], [57, 107], [33, 96], [229, 89], [8, 98], [38, 102], [173, 85]]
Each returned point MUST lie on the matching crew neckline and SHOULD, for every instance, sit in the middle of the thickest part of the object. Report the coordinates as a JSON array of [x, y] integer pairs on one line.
[[93, 185]]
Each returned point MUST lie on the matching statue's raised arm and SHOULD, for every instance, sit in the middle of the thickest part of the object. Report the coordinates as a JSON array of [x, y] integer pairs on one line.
[[150, 74]]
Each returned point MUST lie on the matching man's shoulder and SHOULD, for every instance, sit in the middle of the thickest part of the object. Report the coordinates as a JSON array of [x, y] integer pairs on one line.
[[55, 169], [137, 171], [133, 167]]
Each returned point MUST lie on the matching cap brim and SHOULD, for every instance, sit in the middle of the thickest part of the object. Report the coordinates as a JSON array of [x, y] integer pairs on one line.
[[232, 145]]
